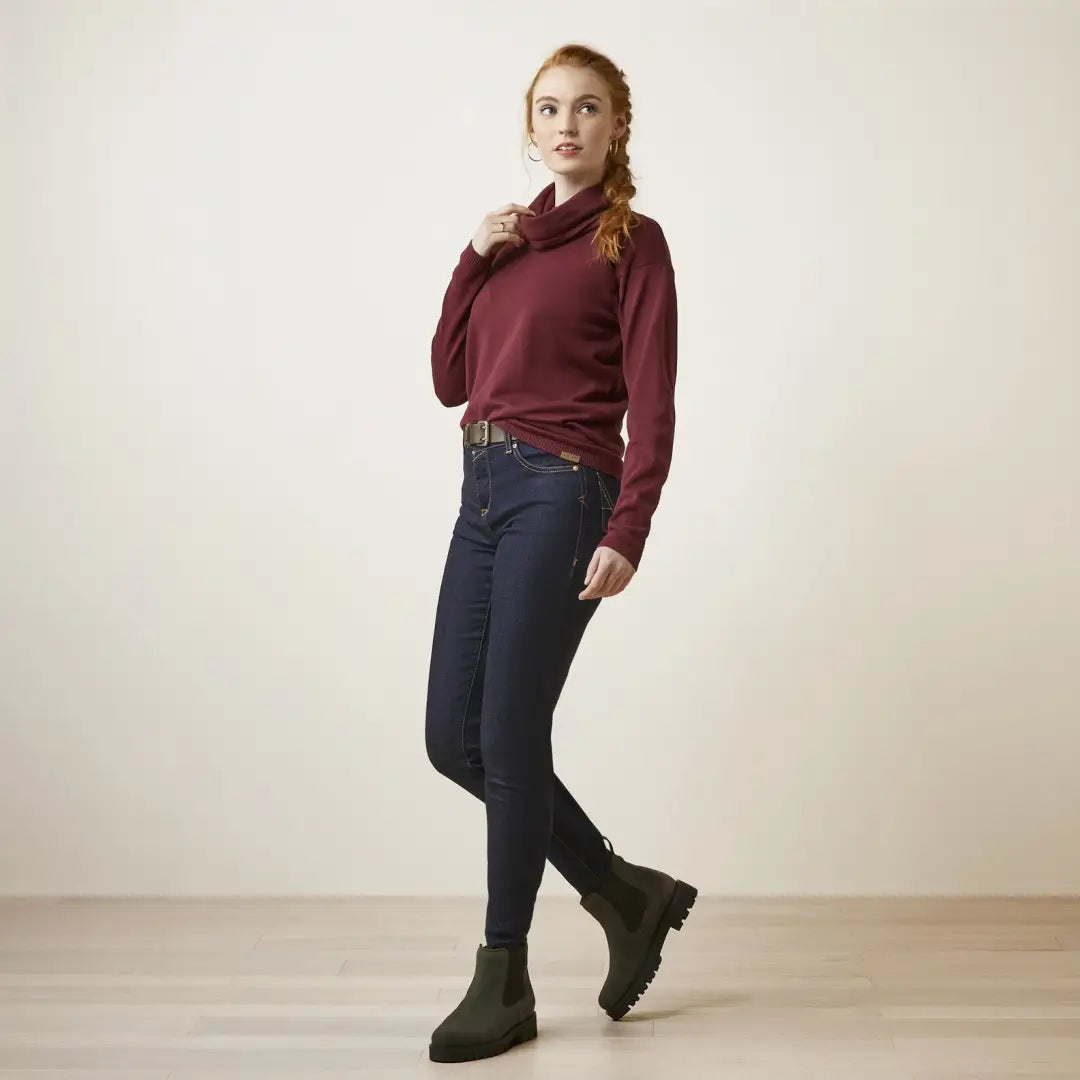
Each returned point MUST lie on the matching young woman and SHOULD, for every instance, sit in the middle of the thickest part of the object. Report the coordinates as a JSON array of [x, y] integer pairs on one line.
[[558, 322]]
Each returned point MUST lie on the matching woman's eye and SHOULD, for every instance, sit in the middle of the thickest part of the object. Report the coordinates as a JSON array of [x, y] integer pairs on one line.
[[585, 105]]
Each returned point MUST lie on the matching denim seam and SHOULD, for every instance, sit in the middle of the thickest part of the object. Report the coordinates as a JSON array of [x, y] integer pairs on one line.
[[571, 598], [576, 857], [606, 500], [582, 495], [468, 697], [476, 479], [607, 503]]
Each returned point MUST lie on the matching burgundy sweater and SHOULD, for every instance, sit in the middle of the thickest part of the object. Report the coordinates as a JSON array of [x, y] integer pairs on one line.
[[558, 347]]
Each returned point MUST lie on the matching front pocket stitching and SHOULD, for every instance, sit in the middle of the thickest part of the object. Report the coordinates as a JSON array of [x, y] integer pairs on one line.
[[539, 468], [581, 522], [606, 501]]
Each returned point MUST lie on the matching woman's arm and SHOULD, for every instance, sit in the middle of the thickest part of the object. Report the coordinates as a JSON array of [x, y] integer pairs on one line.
[[448, 344], [648, 317]]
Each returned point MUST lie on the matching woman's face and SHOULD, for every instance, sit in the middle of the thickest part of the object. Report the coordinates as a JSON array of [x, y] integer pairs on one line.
[[572, 105]]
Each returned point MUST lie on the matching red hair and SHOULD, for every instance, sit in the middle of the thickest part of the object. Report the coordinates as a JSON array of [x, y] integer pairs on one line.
[[618, 219]]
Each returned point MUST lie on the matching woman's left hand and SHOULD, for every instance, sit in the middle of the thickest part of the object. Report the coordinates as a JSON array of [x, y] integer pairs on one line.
[[608, 573]]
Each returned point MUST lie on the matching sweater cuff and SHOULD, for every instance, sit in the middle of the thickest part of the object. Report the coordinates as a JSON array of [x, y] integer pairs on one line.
[[471, 259], [629, 549]]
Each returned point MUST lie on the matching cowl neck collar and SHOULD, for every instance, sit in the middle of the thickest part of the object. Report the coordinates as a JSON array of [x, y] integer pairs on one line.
[[554, 225]]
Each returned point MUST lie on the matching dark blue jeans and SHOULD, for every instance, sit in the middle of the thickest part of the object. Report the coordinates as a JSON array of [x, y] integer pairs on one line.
[[507, 626]]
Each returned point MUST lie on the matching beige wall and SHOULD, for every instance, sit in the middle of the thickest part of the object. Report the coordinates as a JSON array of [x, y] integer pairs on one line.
[[850, 660]]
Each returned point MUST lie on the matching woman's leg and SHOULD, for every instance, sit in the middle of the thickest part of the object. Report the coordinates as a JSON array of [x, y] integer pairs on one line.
[[535, 625], [459, 666]]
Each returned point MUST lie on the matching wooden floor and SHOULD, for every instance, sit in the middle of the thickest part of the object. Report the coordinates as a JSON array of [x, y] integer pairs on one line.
[[322, 989]]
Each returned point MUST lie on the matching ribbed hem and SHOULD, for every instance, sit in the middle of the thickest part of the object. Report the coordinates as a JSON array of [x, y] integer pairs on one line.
[[606, 463], [471, 259], [624, 547]]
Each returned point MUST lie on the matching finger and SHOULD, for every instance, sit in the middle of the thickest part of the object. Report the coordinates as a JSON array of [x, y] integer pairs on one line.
[[593, 563], [601, 592], [510, 219], [594, 590], [505, 228], [515, 206], [505, 223], [600, 583]]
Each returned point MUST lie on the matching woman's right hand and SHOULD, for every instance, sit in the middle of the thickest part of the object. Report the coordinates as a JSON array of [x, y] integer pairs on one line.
[[500, 227]]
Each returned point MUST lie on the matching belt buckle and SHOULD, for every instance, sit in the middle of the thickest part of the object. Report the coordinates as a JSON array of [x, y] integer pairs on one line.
[[483, 425]]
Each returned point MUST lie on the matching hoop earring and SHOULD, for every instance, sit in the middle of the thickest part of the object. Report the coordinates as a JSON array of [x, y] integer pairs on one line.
[[613, 146], [530, 157]]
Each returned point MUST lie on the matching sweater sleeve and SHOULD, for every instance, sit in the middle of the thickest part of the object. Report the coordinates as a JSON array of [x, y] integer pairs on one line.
[[648, 318], [448, 343]]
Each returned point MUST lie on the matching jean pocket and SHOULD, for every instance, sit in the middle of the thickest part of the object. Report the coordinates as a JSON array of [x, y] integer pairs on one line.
[[536, 460], [609, 488]]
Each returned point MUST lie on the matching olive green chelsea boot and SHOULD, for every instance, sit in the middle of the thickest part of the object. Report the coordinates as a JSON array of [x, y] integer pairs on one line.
[[636, 906], [497, 1012]]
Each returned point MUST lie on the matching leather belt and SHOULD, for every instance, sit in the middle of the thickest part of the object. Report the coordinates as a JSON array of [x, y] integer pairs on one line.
[[482, 433]]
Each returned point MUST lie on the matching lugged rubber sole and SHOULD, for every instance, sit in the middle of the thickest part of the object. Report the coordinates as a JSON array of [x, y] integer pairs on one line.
[[682, 900], [519, 1033]]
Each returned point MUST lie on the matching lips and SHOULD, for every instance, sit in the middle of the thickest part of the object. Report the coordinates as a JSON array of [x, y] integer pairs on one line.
[[568, 146]]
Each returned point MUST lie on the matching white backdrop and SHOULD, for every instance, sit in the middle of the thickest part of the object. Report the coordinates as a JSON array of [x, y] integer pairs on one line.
[[849, 662]]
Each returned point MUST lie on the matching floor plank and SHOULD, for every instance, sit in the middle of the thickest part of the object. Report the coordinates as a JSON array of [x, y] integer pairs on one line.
[[867, 988]]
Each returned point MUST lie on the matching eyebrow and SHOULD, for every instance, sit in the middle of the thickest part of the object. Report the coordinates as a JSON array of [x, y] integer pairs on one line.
[[548, 97]]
